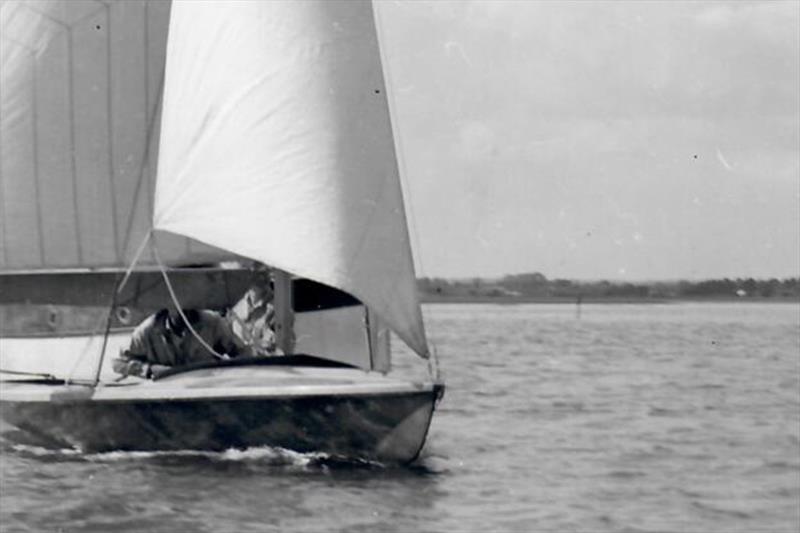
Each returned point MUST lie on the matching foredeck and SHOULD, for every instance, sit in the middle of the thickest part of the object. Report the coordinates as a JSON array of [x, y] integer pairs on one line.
[[228, 383]]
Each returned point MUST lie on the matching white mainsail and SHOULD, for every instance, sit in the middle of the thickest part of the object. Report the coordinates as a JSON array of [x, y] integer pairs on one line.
[[79, 110], [276, 144]]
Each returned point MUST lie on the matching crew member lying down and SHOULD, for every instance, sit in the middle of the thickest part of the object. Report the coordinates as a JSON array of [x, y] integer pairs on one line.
[[163, 341]]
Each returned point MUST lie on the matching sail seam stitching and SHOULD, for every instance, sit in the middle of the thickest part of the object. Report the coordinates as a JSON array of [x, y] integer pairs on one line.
[[73, 162], [112, 182], [36, 184]]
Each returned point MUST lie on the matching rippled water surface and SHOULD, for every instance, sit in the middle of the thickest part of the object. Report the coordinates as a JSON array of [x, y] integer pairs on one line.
[[680, 417]]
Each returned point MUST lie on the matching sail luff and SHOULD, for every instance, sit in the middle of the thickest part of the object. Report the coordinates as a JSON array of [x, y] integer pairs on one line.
[[394, 122], [400, 166]]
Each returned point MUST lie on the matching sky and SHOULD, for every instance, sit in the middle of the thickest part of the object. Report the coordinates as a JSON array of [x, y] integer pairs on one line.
[[598, 140]]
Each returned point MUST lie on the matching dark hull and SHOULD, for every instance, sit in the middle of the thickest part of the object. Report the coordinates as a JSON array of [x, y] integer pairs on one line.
[[364, 427]]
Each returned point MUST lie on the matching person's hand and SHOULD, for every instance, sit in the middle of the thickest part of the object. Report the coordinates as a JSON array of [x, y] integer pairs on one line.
[[128, 367], [120, 366], [157, 370], [137, 368], [268, 341]]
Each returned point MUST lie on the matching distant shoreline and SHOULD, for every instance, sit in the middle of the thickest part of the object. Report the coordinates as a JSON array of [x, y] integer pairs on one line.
[[534, 287], [511, 300]]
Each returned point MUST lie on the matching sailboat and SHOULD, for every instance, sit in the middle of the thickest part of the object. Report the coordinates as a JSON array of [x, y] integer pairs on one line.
[[150, 151]]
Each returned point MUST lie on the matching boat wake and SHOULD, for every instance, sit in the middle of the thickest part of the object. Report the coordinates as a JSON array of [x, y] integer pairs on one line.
[[260, 456]]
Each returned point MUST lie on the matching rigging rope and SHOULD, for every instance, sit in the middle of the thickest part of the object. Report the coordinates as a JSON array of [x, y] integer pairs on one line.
[[138, 254], [118, 286], [111, 308], [21, 373], [95, 331], [177, 304]]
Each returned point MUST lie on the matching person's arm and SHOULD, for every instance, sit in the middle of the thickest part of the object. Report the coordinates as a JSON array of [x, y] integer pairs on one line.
[[131, 361], [228, 342], [269, 338], [134, 361], [132, 365]]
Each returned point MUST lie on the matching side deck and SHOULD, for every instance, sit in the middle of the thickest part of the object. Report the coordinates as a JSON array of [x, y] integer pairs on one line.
[[220, 382]]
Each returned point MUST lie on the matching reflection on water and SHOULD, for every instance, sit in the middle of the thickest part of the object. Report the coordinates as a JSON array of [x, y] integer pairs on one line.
[[635, 417]]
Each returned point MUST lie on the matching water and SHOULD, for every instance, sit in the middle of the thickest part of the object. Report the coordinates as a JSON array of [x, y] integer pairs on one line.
[[680, 417]]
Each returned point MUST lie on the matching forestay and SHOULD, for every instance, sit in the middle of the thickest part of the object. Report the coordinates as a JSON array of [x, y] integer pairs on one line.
[[276, 144], [79, 111]]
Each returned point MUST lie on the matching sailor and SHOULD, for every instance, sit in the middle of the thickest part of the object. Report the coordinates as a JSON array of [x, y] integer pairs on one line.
[[164, 340], [252, 318]]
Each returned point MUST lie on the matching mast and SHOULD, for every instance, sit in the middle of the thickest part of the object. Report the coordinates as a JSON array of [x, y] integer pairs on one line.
[[284, 314]]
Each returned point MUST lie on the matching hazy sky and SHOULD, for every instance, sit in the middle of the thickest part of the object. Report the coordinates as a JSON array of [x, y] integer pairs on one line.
[[620, 140]]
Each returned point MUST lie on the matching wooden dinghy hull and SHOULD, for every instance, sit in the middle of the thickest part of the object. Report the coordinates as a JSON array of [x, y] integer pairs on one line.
[[343, 412]]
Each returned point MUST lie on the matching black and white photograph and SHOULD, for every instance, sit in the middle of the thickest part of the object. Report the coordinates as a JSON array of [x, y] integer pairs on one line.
[[400, 266]]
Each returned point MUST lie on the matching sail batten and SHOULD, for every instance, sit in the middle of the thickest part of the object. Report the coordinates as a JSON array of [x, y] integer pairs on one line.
[[276, 144]]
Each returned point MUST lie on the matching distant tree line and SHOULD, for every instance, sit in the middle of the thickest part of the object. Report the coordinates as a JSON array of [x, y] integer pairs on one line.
[[536, 286]]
